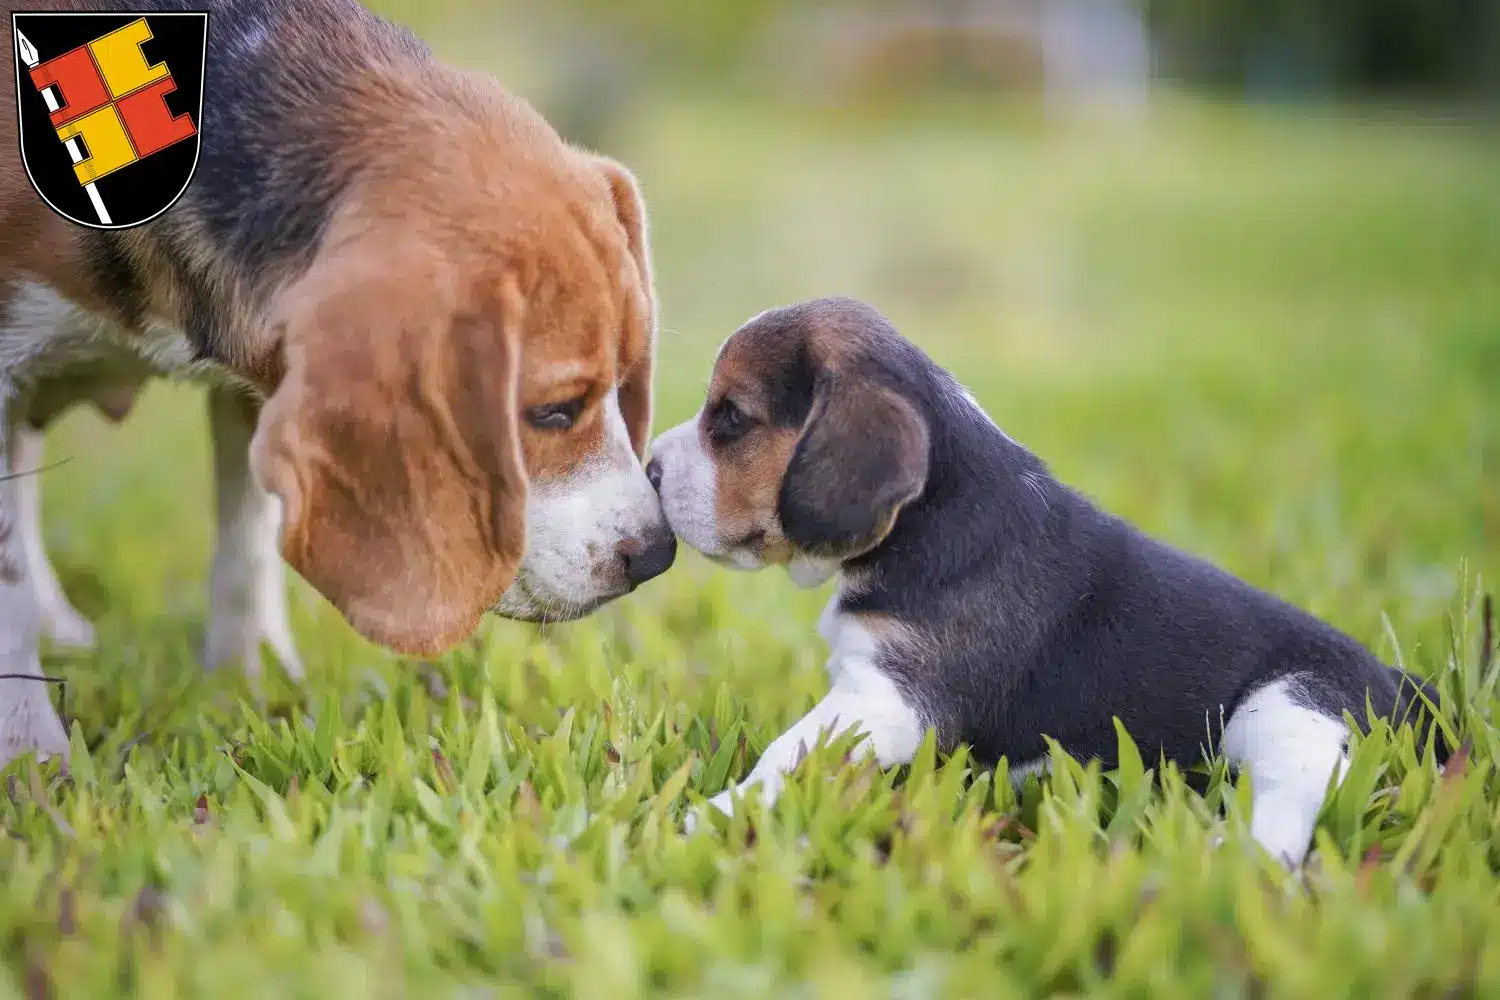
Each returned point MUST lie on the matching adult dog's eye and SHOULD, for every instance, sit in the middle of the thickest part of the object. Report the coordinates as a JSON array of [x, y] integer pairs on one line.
[[726, 421], [555, 416]]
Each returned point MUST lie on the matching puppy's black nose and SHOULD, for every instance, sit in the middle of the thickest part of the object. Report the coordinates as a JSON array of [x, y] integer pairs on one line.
[[649, 556], [653, 474]]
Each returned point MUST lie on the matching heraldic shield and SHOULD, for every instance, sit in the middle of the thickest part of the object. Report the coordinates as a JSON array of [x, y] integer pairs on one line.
[[110, 110]]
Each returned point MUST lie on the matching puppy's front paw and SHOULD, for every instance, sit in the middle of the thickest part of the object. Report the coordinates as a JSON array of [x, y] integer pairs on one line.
[[699, 816], [724, 802]]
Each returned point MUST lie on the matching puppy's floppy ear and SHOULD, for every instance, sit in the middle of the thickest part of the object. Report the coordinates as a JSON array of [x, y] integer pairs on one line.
[[635, 385], [392, 444], [862, 456]]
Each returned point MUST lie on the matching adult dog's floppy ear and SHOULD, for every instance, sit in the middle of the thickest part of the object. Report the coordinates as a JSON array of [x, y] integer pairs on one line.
[[861, 458], [635, 385], [392, 444]]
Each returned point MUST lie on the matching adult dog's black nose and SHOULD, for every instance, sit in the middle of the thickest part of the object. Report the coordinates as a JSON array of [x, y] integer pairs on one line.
[[649, 556], [653, 474]]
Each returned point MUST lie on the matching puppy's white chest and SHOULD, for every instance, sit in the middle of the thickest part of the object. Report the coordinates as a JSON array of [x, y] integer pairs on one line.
[[830, 626], [829, 621], [849, 642]]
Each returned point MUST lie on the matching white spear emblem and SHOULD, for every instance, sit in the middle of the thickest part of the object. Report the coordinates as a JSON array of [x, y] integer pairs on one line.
[[30, 57]]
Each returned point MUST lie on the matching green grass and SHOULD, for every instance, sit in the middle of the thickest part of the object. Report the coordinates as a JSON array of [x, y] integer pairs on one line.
[[1272, 340]]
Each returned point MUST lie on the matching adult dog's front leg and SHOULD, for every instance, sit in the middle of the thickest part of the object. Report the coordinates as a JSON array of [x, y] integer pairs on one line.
[[60, 621], [247, 588], [862, 699], [28, 722]]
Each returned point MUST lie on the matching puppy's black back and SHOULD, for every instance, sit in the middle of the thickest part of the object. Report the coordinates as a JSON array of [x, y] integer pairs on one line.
[[1032, 612]]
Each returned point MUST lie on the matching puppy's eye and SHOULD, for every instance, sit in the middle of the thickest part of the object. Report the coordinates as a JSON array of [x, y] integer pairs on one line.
[[555, 416], [726, 421]]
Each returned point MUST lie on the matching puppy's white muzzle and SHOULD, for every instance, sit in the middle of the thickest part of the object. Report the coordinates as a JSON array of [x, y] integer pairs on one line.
[[683, 472]]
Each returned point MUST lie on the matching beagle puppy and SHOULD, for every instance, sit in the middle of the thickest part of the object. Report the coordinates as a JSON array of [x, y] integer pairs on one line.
[[430, 326], [979, 596]]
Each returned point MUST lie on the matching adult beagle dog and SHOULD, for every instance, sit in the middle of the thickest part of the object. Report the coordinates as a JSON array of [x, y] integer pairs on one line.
[[979, 596], [429, 324]]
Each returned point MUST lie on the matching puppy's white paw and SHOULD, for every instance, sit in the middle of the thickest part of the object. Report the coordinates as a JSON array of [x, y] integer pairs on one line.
[[724, 802], [699, 816]]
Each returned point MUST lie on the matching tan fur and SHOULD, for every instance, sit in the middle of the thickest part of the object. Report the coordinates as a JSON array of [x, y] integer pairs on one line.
[[748, 473], [393, 437], [477, 256]]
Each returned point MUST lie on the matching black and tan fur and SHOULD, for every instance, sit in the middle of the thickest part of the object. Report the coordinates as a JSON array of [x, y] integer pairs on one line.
[[979, 596]]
